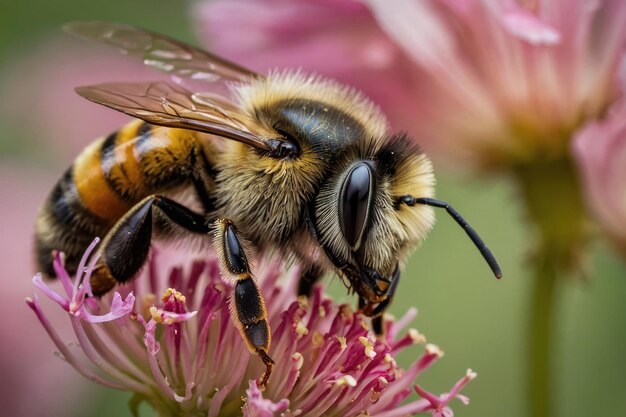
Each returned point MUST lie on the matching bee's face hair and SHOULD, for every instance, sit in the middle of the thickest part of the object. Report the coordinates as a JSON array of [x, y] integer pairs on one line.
[[398, 168]]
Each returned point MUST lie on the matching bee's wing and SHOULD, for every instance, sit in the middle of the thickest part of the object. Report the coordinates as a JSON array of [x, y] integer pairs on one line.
[[162, 52], [171, 105]]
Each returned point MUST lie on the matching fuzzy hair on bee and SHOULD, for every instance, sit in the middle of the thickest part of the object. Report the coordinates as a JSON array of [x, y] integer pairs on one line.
[[339, 116], [292, 164]]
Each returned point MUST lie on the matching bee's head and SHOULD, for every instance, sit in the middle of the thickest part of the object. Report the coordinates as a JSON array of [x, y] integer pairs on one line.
[[357, 213]]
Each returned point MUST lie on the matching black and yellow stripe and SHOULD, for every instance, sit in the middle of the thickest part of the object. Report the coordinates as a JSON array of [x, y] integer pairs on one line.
[[108, 178]]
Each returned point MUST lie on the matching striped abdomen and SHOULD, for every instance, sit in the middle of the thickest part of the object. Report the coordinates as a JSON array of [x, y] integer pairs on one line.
[[108, 178]]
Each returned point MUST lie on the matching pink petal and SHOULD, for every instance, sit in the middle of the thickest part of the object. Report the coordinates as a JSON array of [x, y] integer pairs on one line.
[[82, 276], [53, 295], [428, 396], [445, 412], [257, 406], [416, 27], [58, 264], [600, 150], [149, 338], [464, 399], [454, 392], [170, 317], [119, 309], [528, 27]]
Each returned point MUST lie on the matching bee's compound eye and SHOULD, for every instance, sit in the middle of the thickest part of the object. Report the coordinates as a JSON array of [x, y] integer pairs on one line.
[[357, 195]]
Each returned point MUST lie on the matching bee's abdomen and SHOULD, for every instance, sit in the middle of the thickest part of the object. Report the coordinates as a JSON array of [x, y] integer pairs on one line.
[[107, 179], [66, 225]]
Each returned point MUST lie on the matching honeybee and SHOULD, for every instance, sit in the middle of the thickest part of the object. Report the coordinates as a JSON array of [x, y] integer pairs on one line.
[[293, 163]]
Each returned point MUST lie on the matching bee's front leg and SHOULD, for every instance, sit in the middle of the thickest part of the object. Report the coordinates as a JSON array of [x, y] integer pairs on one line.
[[375, 311], [249, 307], [308, 279]]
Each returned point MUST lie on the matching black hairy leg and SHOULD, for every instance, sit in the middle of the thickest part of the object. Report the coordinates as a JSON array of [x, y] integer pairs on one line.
[[249, 310], [125, 248], [308, 278]]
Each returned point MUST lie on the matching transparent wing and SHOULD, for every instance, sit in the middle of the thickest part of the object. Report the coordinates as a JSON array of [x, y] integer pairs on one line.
[[171, 105], [162, 52]]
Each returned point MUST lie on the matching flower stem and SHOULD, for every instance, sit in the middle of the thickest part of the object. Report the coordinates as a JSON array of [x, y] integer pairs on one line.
[[540, 342], [554, 205]]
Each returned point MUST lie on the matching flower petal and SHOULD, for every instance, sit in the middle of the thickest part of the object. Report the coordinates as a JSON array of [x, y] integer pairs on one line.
[[53, 295], [119, 309], [600, 150], [257, 406], [528, 27]]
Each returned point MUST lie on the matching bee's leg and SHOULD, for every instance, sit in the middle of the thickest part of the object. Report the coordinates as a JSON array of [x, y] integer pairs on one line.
[[204, 180], [377, 283], [308, 278], [125, 248], [249, 310], [376, 313], [377, 322], [377, 325]]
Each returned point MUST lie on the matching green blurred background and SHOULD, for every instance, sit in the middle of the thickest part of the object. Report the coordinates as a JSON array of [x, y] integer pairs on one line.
[[478, 321]]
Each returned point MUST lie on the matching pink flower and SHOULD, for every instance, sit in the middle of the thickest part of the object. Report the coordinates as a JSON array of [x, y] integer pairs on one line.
[[600, 149], [498, 82], [513, 78], [30, 372], [333, 38], [169, 339], [75, 301]]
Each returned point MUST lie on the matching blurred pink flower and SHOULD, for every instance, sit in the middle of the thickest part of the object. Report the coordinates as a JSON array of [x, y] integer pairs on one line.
[[171, 341], [329, 37], [600, 150], [31, 375], [517, 77], [493, 81]]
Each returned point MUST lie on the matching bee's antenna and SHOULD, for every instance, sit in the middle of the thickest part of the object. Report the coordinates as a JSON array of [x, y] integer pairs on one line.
[[484, 250]]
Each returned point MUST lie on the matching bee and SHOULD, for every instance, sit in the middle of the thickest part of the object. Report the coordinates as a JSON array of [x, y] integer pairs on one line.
[[294, 164]]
